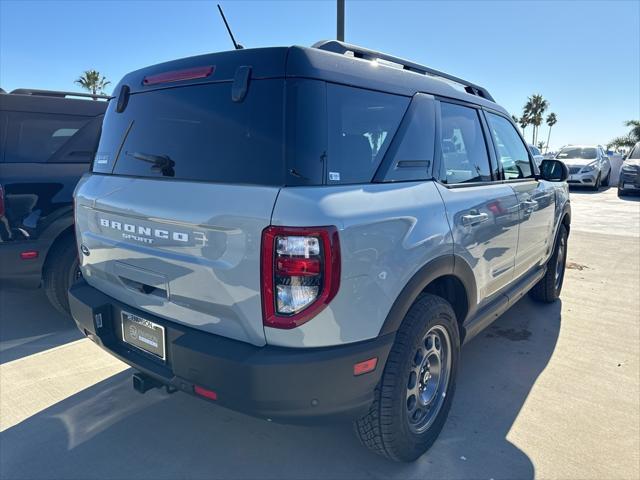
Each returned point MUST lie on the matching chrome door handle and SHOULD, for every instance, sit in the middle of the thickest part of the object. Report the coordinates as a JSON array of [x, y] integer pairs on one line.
[[474, 219]]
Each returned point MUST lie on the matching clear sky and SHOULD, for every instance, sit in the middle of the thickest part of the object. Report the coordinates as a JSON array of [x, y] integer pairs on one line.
[[582, 56]]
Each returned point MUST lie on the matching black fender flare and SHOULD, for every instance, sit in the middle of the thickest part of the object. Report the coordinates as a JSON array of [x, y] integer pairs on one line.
[[55, 229], [445, 265], [566, 213]]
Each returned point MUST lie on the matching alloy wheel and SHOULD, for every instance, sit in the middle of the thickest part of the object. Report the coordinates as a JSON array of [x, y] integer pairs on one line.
[[428, 379]]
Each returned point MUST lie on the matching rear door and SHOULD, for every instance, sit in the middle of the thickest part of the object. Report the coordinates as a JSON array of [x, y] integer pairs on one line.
[[184, 182], [536, 198], [482, 212], [37, 177]]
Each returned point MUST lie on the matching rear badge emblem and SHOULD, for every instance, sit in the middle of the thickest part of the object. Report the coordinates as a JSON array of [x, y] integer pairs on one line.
[[84, 250]]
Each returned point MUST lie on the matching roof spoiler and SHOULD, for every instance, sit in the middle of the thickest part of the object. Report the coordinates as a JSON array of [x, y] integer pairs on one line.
[[360, 52], [59, 94]]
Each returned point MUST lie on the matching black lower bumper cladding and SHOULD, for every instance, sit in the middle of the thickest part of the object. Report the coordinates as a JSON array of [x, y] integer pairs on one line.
[[286, 384]]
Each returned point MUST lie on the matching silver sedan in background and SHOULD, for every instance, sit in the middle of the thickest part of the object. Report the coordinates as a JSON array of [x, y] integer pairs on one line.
[[588, 165]]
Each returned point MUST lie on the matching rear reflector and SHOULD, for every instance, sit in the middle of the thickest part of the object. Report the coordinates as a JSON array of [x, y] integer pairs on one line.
[[179, 75], [365, 367], [29, 254], [203, 392]]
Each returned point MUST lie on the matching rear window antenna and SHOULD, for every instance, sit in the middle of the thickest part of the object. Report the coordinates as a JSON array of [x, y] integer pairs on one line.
[[236, 45]]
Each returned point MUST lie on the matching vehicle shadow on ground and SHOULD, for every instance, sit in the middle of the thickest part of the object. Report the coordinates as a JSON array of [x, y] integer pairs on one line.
[[631, 196], [110, 431], [581, 189], [29, 324]]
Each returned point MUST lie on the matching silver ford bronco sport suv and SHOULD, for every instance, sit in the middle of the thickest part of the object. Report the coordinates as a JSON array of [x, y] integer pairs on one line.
[[311, 233]]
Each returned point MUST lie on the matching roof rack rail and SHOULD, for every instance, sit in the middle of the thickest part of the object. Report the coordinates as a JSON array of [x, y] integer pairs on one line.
[[55, 93], [359, 52]]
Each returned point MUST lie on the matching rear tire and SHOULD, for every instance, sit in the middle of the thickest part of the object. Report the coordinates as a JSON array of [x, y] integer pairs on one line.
[[408, 412], [621, 192], [548, 289], [60, 271]]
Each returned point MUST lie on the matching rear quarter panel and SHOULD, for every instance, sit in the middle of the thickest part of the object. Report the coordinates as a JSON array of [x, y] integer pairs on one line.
[[387, 232]]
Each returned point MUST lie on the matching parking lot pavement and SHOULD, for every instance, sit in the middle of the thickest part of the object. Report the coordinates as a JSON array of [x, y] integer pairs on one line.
[[547, 391]]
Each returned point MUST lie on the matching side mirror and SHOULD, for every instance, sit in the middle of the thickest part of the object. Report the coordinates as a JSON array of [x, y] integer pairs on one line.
[[554, 171]]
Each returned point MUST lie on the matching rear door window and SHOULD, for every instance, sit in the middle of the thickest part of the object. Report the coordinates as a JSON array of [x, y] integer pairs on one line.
[[512, 152], [36, 137], [462, 143], [198, 133], [361, 124]]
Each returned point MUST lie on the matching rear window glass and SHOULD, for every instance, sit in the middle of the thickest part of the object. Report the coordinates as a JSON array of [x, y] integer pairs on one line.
[[198, 133], [361, 124], [35, 137]]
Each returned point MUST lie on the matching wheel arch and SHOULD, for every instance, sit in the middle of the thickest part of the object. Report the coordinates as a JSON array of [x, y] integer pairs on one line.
[[449, 277], [62, 236]]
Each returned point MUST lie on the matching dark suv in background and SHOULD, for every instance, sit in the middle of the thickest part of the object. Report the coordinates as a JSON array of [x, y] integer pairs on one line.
[[630, 172], [47, 141]]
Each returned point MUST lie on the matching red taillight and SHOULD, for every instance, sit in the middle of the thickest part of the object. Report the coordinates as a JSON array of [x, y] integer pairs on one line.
[[179, 75], [1, 201], [300, 270], [204, 392], [29, 254], [297, 266]]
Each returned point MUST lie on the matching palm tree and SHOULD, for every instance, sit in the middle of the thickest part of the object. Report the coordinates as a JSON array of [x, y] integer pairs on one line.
[[540, 145], [552, 119], [536, 106], [524, 121], [92, 81], [527, 113], [635, 128], [630, 139]]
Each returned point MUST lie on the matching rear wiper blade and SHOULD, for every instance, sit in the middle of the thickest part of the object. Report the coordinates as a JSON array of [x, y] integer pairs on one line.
[[159, 163]]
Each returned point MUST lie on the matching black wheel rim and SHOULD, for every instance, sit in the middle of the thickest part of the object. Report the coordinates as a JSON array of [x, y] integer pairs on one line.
[[428, 379]]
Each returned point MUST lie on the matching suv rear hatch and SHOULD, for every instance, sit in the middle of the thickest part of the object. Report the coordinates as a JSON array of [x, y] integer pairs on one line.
[[185, 180]]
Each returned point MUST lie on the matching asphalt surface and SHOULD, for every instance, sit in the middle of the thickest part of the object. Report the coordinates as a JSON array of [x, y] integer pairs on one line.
[[547, 392]]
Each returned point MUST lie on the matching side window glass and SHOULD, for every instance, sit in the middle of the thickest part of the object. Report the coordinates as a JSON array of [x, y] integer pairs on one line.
[[35, 138], [361, 125], [512, 153], [410, 153], [81, 145], [464, 152]]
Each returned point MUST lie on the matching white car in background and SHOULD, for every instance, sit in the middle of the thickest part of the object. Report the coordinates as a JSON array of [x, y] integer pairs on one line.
[[588, 165]]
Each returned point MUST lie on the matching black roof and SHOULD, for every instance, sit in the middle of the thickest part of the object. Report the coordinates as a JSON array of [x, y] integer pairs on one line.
[[331, 61], [52, 101]]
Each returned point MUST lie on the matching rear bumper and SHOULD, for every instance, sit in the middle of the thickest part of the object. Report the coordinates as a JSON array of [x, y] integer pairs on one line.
[[16, 271], [286, 384]]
